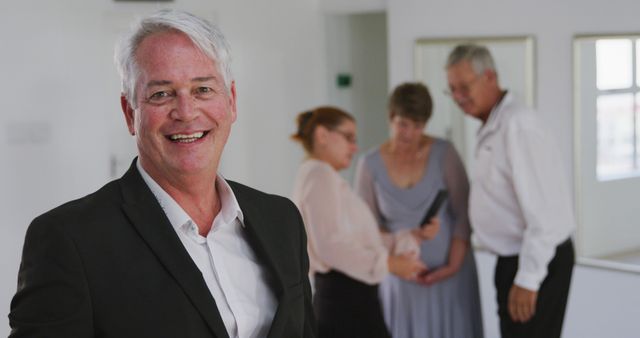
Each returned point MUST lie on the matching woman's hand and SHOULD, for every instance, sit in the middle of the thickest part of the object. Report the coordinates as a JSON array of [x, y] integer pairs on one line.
[[427, 231], [457, 252], [436, 275], [406, 266]]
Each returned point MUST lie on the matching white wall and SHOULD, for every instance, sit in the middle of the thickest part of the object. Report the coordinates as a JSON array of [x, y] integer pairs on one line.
[[357, 45], [61, 120], [369, 62], [602, 303], [352, 6]]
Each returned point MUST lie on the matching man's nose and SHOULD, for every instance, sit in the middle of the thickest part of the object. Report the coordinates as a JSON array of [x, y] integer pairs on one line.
[[456, 93], [185, 108], [459, 97]]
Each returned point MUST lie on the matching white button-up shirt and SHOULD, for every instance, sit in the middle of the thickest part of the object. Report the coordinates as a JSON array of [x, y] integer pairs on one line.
[[228, 265], [520, 202]]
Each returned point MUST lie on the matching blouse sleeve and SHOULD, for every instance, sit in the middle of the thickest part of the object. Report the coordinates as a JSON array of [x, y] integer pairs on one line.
[[325, 213], [457, 183]]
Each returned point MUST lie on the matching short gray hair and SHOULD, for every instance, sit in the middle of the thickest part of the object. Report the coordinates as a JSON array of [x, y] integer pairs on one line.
[[207, 37], [479, 57]]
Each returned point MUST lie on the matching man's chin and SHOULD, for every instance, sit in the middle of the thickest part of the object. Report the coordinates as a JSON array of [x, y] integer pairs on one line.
[[471, 112], [192, 165]]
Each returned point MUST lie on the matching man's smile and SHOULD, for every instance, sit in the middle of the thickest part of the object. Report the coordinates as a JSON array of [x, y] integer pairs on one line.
[[187, 138]]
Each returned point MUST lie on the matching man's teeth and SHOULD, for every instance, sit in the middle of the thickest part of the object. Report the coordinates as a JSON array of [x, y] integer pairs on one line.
[[187, 138]]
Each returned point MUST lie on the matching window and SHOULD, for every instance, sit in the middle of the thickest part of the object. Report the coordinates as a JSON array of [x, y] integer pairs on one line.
[[607, 128], [618, 107]]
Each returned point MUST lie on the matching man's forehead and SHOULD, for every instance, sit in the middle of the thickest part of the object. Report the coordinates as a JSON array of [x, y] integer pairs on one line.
[[462, 65], [197, 79], [165, 37], [165, 45], [463, 69], [166, 57]]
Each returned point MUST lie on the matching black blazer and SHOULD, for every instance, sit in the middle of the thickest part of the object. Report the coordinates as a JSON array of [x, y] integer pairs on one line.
[[111, 265]]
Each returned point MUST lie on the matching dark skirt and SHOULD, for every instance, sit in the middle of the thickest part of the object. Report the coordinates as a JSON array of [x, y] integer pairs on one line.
[[347, 308]]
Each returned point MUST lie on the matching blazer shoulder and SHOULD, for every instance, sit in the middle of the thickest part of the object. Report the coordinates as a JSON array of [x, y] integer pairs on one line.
[[82, 210], [270, 209]]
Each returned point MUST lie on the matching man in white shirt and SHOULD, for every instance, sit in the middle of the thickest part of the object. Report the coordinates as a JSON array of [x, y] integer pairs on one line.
[[171, 249], [520, 206]]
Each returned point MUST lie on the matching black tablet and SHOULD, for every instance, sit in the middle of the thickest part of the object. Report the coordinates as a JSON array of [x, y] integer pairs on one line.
[[441, 196]]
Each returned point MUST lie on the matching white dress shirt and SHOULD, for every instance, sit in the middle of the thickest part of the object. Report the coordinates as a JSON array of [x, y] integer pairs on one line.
[[341, 229], [228, 265], [520, 202]]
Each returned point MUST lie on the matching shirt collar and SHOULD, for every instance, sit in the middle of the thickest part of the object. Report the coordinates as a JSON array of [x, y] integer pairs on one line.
[[494, 117], [229, 207]]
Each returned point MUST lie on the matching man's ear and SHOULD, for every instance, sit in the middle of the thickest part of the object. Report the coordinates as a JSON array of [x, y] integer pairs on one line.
[[129, 114], [233, 100], [491, 75]]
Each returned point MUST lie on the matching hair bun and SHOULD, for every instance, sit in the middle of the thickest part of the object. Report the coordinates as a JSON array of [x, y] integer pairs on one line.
[[303, 121]]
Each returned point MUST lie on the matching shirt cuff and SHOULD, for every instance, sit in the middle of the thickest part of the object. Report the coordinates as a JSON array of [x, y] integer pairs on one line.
[[406, 244], [528, 281], [380, 269]]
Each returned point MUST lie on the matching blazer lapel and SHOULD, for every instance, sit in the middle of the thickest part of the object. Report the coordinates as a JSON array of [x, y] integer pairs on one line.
[[264, 240], [145, 213]]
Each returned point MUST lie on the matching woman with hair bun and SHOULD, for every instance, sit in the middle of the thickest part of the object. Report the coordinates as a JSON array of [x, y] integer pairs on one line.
[[348, 255]]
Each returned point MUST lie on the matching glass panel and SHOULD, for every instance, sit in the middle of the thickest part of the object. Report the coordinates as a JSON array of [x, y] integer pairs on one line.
[[638, 62], [637, 121], [614, 63], [615, 135]]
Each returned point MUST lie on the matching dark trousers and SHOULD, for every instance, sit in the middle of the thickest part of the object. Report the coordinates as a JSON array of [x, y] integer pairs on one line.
[[552, 295], [347, 308]]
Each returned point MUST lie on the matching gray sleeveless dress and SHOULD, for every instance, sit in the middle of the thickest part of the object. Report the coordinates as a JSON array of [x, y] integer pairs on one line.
[[449, 308]]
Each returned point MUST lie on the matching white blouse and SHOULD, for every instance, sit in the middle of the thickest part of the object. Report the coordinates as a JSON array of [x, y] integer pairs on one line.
[[342, 232]]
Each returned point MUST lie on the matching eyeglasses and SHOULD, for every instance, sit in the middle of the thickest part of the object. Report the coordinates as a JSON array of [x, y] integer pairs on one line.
[[463, 89], [349, 137]]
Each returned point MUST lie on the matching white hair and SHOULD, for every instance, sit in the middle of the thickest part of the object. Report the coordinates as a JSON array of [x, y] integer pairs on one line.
[[206, 36], [479, 57]]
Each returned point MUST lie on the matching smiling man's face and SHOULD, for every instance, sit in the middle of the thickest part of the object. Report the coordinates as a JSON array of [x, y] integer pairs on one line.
[[183, 113], [475, 94]]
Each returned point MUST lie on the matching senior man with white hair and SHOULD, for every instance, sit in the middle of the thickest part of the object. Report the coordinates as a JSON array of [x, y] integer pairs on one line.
[[171, 249], [520, 207]]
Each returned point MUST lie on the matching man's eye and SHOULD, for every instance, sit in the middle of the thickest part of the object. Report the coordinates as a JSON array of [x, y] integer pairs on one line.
[[204, 90], [159, 97]]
